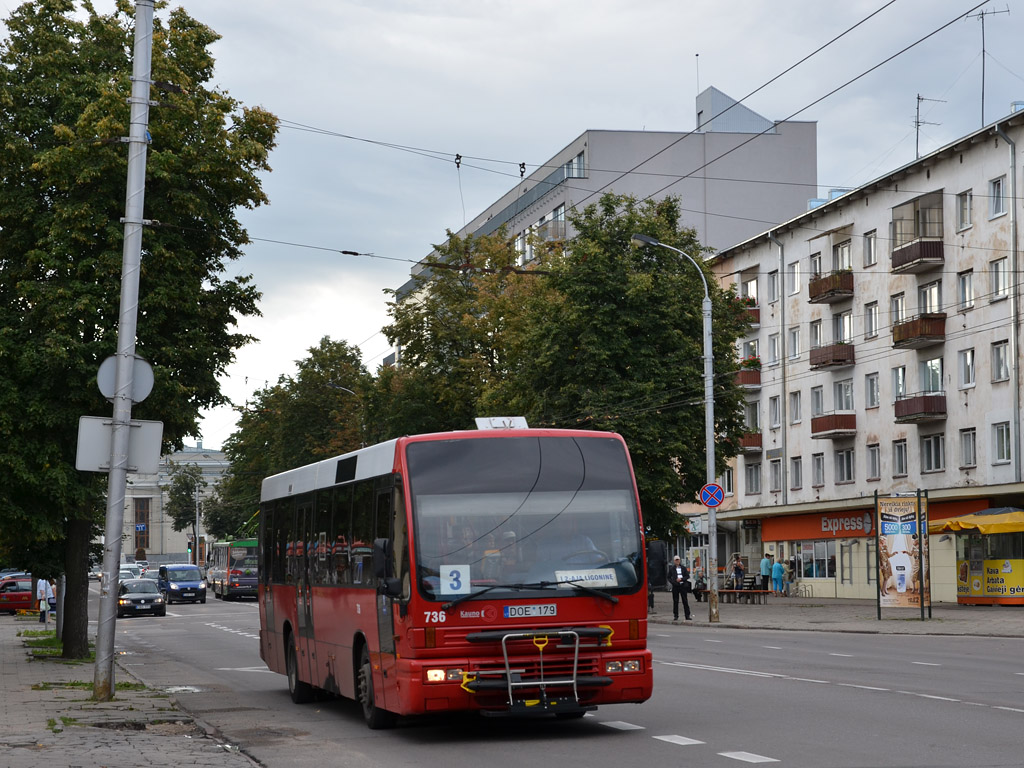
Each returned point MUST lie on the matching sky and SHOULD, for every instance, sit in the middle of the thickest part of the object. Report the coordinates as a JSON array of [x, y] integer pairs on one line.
[[376, 97]]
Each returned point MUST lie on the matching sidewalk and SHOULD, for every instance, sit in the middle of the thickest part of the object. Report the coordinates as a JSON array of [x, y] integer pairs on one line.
[[833, 615], [49, 720]]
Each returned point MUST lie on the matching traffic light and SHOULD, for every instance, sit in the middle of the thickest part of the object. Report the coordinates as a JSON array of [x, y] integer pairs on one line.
[[190, 548]]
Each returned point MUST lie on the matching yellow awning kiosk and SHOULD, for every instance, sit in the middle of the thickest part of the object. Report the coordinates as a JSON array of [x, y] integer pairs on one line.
[[989, 555]]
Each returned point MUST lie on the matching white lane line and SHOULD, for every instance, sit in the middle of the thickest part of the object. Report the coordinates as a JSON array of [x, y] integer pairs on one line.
[[1009, 709], [244, 669], [708, 668], [621, 726], [772, 647], [862, 687], [926, 664], [748, 757], [663, 635], [680, 740], [843, 655], [810, 680], [712, 641]]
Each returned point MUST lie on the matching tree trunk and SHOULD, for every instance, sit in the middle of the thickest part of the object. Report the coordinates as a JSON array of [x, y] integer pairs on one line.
[[76, 595]]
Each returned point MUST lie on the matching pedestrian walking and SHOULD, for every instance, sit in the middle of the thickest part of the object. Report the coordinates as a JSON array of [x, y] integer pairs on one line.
[[766, 572], [679, 578], [737, 572], [778, 574]]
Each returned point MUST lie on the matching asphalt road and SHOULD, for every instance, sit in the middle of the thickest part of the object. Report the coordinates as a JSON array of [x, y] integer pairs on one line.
[[723, 697]]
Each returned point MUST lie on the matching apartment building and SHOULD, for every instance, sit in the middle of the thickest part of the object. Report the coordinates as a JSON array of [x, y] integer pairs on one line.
[[736, 173], [884, 357]]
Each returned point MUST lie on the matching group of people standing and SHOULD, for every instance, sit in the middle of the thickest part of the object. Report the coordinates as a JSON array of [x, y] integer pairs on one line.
[[46, 600], [774, 574]]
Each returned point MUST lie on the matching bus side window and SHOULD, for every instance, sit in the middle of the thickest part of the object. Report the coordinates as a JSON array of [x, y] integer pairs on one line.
[[341, 521], [362, 532]]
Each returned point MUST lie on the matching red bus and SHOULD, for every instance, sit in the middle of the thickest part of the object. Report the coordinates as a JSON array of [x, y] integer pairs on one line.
[[501, 571]]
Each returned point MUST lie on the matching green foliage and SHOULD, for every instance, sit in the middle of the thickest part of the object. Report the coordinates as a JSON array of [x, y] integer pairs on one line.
[[65, 74], [186, 484]]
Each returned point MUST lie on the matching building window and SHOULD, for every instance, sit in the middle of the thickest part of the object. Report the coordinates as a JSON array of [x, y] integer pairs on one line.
[[844, 466], [965, 365], [965, 290], [899, 382], [931, 375], [816, 559], [726, 481], [753, 475], [796, 473], [870, 248], [794, 343], [842, 327], [815, 265], [918, 218], [897, 309], [964, 209], [899, 458], [817, 401], [574, 169], [871, 320], [968, 447], [929, 297], [1001, 361], [793, 278], [818, 470], [871, 392], [774, 411], [773, 286], [752, 417], [842, 395], [775, 474], [874, 462], [748, 290], [997, 197], [750, 349], [815, 328], [774, 348], [141, 523], [999, 272], [933, 449], [1001, 442], [794, 407], [841, 256]]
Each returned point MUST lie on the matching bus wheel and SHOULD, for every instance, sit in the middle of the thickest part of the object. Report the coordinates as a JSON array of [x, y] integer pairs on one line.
[[301, 692], [374, 716]]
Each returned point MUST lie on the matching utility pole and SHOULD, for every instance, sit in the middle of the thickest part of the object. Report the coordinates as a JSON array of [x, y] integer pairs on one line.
[[981, 15], [918, 122], [117, 477]]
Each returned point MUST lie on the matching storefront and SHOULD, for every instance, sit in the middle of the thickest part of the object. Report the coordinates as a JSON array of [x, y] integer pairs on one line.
[[989, 555]]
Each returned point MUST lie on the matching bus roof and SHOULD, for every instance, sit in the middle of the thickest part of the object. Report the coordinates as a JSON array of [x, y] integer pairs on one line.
[[381, 459]]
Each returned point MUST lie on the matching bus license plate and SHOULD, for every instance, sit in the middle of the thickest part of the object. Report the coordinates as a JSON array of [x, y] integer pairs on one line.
[[530, 611]]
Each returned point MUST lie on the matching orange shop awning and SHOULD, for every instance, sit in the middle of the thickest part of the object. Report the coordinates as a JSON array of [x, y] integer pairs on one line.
[[995, 520]]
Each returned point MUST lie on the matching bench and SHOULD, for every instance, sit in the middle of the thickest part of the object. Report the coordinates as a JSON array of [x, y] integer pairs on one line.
[[758, 596]]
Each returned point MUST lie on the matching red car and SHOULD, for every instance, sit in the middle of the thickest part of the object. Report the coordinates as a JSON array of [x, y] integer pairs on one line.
[[16, 595]]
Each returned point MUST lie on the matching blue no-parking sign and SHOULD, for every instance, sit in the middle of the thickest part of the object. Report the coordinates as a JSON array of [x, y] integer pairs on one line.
[[712, 495]]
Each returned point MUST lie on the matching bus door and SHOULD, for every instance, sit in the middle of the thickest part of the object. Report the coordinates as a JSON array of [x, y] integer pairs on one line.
[[385, 604], [303, 587]]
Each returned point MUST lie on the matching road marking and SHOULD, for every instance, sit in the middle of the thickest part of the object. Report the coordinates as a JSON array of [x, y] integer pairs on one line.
[[748, 757], [810, 680], [621, 726], [663, 635], [844, 655], [245, 669], [1009, 709], [730, 670], [772, 647], [680, 740], [926, 664], [862, 687], [713, 641]]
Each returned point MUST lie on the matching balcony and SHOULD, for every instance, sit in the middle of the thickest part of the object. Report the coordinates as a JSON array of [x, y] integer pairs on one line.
[[551, 230], [925, 330], [748, 378], [830, 288], [754, 316], [838, 355], [918, 255], [750, 442], [921, 407], [834, 426]]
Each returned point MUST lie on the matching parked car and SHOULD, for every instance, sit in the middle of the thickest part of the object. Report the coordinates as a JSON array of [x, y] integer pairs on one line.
[[16, 595], [137, 596], [181, 583]]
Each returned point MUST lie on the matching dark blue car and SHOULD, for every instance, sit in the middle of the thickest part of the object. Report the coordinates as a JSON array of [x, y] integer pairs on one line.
[[182, 583]]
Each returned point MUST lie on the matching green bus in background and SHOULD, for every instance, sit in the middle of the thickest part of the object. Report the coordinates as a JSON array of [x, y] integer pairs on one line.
[[232, 570]]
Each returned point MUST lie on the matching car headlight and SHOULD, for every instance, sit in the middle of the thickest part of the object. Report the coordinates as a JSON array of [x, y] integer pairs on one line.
[[124, 602], [158, 600], [174, 586]]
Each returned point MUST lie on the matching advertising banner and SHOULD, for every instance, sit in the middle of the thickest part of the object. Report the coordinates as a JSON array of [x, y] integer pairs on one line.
[[990, 578], [902, 552]]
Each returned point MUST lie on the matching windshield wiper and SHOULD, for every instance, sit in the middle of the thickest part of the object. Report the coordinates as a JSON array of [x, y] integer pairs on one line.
[[531, 585]]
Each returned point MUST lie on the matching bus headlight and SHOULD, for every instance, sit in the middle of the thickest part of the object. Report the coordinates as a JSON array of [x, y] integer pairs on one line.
[[613, 666], [633, 665], [444, 675], [630, 665]]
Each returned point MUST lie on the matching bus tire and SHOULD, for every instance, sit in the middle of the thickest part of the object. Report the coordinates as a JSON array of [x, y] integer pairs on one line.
[[301, 692], [374, 716]]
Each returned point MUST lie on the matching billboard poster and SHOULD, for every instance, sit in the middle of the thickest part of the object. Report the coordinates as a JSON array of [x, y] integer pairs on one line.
[[902, 553]]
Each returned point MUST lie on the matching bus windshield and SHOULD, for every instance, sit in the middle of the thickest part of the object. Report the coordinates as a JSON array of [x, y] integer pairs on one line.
[[495, 514]]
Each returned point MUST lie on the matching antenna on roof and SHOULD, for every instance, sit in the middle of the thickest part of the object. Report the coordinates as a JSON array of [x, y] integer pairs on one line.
[[981, 15], [918, 122]]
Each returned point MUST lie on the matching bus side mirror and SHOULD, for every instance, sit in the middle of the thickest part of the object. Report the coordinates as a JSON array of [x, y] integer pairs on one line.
[[392, 586], [382, 561]]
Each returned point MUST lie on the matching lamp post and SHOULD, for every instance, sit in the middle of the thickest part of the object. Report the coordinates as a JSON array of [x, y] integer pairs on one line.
[[709, 422]]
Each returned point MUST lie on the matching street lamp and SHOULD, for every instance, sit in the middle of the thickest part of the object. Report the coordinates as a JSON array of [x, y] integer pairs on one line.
[[709, 422]]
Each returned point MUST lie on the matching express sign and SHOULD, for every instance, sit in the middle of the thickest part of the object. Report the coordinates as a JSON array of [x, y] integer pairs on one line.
[[839, 525]]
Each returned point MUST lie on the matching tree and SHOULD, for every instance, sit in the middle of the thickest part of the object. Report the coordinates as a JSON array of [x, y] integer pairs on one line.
[[64, 79], [183, 504]]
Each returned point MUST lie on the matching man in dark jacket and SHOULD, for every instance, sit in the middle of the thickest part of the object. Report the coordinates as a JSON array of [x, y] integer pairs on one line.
[[679, 578]]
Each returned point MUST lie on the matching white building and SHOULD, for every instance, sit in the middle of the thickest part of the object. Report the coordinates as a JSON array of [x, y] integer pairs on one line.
[[889, 339], [146, 525]]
